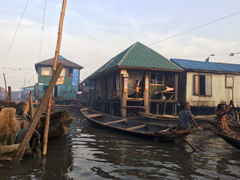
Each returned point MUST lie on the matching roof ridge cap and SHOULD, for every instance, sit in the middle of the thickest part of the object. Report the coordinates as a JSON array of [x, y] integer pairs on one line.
[[124, 57]]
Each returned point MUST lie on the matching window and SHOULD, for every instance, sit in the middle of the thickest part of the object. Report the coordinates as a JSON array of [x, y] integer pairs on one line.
[[46, 71], [156, 79], [202, 85], [229, 82]]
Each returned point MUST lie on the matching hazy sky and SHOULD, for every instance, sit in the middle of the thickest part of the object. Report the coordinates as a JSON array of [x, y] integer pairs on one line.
[[96, 30]]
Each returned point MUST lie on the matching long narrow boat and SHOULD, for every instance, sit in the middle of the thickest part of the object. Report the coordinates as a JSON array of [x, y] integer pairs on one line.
[[139, 129], [173, 118], [233, 126], [233, 141]]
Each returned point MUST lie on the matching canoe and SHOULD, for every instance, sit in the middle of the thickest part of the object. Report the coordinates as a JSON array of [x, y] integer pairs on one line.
[[233, 126], [139, 129], [173, 118], [60, 123], [233, 141]]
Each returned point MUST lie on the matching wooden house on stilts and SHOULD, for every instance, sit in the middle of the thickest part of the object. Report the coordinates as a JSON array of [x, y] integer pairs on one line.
[[137, 79]]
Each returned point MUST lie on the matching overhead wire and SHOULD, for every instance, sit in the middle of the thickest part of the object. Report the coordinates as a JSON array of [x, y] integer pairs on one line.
[[195, 28], [14, 36], [43, 22]]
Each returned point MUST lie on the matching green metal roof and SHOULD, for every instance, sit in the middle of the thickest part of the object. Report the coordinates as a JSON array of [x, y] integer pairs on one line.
[[139, 56]]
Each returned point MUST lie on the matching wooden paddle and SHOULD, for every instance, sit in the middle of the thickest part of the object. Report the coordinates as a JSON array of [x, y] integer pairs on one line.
[[194, 150], [235, 113]]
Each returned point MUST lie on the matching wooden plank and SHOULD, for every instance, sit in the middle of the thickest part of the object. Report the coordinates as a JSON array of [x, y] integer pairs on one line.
[[40, 110], [136, 127], [113, 122], [94, 115]]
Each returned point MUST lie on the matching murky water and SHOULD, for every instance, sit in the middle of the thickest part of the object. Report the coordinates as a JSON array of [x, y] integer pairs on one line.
[[92, 153]]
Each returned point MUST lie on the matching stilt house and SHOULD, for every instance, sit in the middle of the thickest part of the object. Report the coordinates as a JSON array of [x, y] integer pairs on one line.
[[68, 83], [138, 78], [205, 85]]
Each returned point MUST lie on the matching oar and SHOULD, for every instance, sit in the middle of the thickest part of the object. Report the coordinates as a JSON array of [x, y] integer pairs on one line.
[[237, 118], [194, 150]]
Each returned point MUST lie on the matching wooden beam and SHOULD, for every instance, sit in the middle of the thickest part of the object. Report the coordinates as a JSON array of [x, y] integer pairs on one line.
[[136, 127], [94, 115], [113, 122], [146, 92], [26, 109], [38, 114]]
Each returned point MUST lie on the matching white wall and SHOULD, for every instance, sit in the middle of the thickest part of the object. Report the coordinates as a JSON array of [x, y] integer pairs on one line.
[[219, 92]]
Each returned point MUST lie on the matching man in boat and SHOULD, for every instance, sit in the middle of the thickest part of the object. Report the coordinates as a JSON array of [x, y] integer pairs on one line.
[[222, 124], [186, 118]]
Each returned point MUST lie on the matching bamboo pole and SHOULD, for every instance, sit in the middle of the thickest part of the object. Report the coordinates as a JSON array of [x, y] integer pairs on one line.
[[5, 82], [47, 121]]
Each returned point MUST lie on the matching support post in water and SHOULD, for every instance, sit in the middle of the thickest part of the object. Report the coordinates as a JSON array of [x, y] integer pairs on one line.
[[38, 114], [9, 93], [47, 121]]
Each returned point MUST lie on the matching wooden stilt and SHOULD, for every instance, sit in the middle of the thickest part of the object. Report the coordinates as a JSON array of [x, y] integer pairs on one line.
[[38, 114], [47, 121], [124, 97], [9, 93], [157, 109], [146, 93]]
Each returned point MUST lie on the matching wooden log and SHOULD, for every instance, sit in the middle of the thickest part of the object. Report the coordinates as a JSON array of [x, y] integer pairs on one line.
[[9, 93], [113, 122], [38, 114], [146, 92], [47, 121], [26, 109], [136, 127]]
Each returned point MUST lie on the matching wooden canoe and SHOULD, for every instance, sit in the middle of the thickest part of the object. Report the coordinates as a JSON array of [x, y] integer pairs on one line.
[[173, 118], [139, 129], [233, 141], [233, 126], [60, 123]]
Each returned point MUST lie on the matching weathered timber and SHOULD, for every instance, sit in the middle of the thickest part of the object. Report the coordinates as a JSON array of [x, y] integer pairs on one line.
[[38, 114], [31, 105], [136, 127], [9, 93], [95, 115]]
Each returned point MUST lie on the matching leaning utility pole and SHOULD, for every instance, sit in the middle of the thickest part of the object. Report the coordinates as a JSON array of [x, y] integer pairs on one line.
[[47, 121]]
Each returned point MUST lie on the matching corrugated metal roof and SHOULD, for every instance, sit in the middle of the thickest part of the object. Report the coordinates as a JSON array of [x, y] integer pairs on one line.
[[62, 60], [139, 56], [204, 66]]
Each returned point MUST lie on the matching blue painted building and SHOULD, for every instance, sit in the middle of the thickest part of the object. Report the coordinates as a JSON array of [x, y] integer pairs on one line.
[[68, 83]]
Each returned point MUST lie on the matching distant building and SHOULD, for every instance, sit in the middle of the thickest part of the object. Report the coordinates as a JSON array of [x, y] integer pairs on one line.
[[136, 79], [208, 84], [25, 91], [68, 83]]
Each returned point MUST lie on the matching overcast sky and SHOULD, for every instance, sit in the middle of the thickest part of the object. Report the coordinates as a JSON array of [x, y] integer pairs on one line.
[[96, 30]]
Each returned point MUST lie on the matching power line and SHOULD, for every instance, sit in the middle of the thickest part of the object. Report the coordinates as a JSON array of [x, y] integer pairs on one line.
[[43, 21], [193, 29], [14, 34]]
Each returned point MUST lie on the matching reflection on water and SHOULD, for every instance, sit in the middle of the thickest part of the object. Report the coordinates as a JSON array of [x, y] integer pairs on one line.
[[92, 153]]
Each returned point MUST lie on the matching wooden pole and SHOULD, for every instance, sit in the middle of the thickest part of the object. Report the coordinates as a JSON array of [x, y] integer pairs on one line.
[[38, 114], [9, 93], [5, 82], [31, 105], [146, 93], [47, 121]]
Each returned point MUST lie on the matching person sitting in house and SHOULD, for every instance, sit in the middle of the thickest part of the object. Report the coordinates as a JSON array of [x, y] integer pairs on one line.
[[222, 124], [186, 118]]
